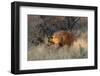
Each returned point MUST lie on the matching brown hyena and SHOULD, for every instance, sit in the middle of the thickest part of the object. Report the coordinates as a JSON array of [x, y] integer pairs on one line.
[[61, 38]]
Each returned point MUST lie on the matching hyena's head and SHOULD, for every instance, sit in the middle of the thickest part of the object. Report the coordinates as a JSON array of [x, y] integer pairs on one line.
[[54, 40]]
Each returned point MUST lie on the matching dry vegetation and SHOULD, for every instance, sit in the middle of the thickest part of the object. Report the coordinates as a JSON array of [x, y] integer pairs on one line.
[[45, 52], [38, 32]]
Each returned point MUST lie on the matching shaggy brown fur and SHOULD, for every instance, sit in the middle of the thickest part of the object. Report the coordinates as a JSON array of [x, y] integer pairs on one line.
[[63, 38]]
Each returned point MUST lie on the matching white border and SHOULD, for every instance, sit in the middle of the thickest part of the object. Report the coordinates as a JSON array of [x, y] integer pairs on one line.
[[26, 65]]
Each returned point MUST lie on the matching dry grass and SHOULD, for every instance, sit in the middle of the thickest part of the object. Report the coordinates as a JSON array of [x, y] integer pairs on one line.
[[45, 52]]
